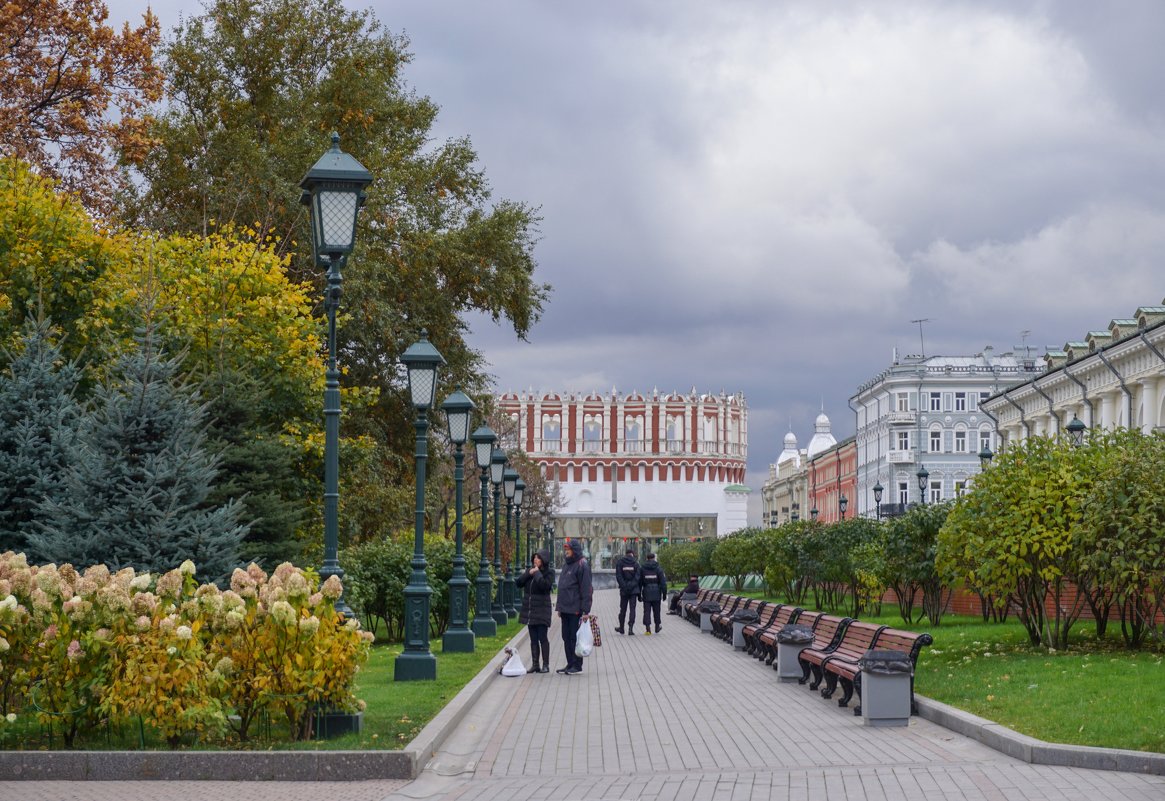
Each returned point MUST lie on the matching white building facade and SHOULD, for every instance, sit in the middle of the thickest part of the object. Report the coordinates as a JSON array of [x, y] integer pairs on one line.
[[641, 468], [924, 415], [1112, 378]]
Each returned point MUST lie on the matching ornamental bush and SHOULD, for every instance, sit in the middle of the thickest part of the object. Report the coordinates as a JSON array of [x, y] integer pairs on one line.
[[78, 651]]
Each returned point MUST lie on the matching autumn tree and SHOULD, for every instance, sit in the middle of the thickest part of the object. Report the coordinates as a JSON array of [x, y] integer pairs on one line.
[[73, 91], [254, 90]]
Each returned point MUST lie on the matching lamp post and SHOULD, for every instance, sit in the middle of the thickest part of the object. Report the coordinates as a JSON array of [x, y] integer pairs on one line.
[[497, 467], [842, 503], [878, 490], [519, 492], [1076, 430], [483, 622], [417, 662], [333, 189], [813, 512], [985, 457], [923, 474], [458, 636], [509, 487]]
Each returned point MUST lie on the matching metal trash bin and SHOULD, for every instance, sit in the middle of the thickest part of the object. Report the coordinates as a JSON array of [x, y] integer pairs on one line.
[[885, 688], [740, 619], [791, 641], [706, 610]]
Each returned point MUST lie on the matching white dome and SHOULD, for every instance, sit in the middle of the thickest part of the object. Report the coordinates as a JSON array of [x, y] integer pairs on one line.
[[790, 451], [822, 437], [790, 441]]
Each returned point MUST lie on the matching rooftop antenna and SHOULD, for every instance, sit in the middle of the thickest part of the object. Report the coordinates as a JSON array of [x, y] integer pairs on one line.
[[921, 341], [1023, 335]]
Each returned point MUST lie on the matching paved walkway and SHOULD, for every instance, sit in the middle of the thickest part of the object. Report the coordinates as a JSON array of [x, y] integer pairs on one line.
[[680, 716]]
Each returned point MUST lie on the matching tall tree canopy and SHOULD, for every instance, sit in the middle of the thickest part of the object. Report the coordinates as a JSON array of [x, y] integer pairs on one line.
[[72, 90], [254, 89]]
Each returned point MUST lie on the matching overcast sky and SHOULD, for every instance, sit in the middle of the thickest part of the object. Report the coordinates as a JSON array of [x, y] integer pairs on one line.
[[759, 197]]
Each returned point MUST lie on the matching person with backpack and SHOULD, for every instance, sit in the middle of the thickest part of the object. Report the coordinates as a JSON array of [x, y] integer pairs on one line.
[[627, 577], [654, 582], [538, 581], [574, 601]]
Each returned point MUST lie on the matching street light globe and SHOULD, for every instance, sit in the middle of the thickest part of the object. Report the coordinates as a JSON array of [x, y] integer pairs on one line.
[[458, 408], [519, 491], [422, 360], [1076, 430], [483, 444], [985, 457], [509, 483], [334, 190], [497, 466], [923, 475], [878, 490]]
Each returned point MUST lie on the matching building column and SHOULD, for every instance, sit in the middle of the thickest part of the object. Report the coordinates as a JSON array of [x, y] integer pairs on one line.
[[1150, 403]]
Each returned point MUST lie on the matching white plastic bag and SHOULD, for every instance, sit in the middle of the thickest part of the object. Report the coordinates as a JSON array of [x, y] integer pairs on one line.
[[514, 666], [584, 641]]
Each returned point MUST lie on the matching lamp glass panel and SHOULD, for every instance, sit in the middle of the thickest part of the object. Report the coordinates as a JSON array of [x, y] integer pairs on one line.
[[497, 466], [509, 484], [458, 426], [337, 213], [483, 450], [518, 493], [423, 385]]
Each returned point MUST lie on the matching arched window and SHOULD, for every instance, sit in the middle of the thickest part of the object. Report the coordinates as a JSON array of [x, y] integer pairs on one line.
[[551, 432], [633, 434], [675, 433], [592, 433]]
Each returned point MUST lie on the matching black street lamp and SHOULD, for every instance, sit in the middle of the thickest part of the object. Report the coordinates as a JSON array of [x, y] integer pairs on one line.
[[842, 503], [458, 637], [509, 487], [417, 662], [813, 512], [334, 190], [923, 474], [519, 492], [483, 622], [497, 467], [878, 490], [1076, 431], [985, 457]]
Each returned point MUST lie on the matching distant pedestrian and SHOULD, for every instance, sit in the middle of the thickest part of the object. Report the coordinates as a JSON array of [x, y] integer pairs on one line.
[[627, 577], [688, 592], [654, 582], [536, 609], [574, 601]]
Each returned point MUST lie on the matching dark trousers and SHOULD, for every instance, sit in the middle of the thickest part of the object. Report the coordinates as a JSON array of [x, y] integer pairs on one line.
[[625, 602], [649, 608], [539, 644], [569, 635]]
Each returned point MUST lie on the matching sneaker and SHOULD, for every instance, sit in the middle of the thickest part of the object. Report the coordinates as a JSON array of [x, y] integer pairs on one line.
[[563, 670], [648, 632], [570, 671]]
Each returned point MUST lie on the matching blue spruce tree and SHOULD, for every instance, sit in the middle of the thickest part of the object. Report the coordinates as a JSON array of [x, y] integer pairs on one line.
[[39, 414], [136, 493]]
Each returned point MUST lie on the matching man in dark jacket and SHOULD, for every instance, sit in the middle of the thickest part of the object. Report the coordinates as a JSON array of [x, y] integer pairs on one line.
[[627, 577], [574, 600], [654, 582]]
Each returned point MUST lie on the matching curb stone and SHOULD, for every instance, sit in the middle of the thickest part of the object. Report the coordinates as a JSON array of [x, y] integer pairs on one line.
[[314, 766], [1038, 752]]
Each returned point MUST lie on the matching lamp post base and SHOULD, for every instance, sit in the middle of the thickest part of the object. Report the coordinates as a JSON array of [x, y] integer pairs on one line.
[[415, 667], [459, 641], [500, 616], [484, 626]]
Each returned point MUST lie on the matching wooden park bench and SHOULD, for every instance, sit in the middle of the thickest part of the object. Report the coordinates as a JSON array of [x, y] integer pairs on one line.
[[722, 620], [843, 665], [827, 633], [857, 638], [692, 608], [767, 640], [750, 631]]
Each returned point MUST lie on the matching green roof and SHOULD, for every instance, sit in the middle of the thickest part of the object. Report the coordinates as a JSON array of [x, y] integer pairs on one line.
[[737, 488]]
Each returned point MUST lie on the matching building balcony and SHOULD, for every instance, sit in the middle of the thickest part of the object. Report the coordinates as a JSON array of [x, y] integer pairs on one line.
[[901, 418], [900, 457]]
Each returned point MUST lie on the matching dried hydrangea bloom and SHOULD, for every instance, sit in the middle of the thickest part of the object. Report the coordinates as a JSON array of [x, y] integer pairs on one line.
[[283, 613], [332, 588], [169, 585]]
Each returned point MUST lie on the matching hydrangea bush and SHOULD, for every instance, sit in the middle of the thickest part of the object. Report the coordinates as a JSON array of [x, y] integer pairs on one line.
[[79, 650]]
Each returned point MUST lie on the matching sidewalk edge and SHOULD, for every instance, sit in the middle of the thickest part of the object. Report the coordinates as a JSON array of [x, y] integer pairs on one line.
[[1038, 752]]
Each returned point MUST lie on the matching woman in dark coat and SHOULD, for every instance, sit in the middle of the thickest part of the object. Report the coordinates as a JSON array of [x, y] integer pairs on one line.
[[535, 612]]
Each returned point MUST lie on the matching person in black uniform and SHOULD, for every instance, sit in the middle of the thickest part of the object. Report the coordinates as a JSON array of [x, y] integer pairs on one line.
[[538, 582], [627, 577], [654, 582]]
